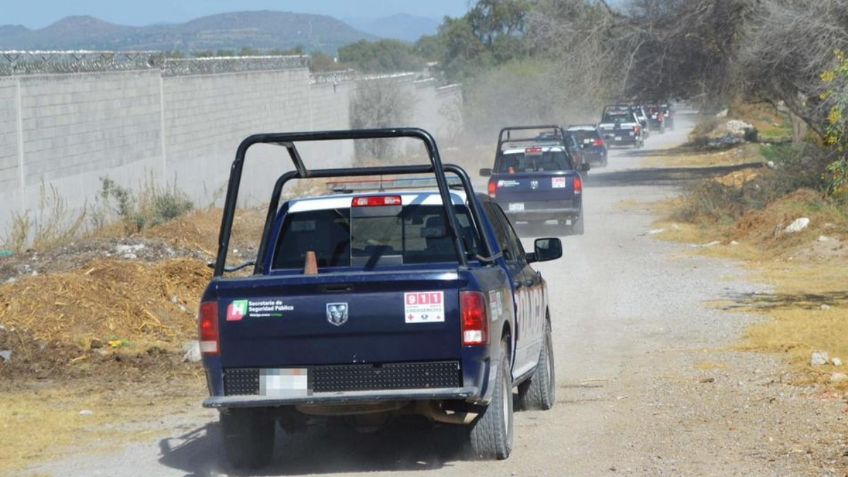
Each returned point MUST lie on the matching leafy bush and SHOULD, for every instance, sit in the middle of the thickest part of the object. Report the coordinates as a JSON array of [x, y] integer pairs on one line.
[[381, 56], [152, 206], [836, 96], [792, 167]]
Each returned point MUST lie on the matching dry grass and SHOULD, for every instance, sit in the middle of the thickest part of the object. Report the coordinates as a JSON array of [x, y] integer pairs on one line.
[[109, 299], [710, 366], [54, 224], [808, 312], [42, 424], [771, 124], [808, 308], [693, 158]]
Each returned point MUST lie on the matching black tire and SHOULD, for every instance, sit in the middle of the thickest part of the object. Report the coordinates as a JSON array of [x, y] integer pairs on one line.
[[248, 436], [539, 392], [577, 225], [491, 433]]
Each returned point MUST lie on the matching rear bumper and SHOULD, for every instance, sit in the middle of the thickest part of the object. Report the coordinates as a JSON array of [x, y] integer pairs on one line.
[[470, 394], [626, 139], [544, 214]]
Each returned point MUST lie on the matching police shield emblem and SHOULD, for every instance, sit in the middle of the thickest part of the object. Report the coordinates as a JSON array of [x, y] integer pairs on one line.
[[337, 313]]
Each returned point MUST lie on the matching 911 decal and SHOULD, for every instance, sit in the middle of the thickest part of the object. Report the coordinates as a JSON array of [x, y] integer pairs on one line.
[[424, 307]]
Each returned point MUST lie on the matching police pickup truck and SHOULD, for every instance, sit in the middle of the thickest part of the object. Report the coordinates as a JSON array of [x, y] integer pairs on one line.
[[534, 177], [621, 127], [365, 305]]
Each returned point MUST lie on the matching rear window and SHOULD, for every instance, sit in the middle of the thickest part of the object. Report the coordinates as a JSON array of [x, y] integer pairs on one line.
[[615, 116], [548, 161], [585, 137], [414, 234]]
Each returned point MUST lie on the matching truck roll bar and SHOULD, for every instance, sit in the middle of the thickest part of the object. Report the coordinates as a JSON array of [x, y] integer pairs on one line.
[[288, 140]]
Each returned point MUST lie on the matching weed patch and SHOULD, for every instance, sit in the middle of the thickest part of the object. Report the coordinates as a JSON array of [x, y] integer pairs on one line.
[[153, 205]]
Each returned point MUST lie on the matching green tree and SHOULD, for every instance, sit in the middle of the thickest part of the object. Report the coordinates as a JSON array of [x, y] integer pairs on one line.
[[319, 62], [492, 20], [464, 53], [381, 56], [430, 47]]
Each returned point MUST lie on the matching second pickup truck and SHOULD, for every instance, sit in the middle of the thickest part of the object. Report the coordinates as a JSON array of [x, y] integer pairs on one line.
[[534, 178]]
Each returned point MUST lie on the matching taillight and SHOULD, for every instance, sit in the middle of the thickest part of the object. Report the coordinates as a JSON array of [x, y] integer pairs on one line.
[[638, 130], [376, 201], [578, 185], [493, 188], [475, 323], [207, 324], [598, 142]]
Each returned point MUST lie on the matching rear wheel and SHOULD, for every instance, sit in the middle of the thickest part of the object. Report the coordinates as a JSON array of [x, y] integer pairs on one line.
[[491, 433], [577, 225], [248, 436], [539, 392]]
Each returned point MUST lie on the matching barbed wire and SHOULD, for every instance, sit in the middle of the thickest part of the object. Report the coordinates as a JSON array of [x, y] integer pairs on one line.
[[14, 62]]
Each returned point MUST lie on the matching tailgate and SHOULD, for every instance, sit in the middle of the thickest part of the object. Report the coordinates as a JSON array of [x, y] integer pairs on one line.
[[552, 188], [382, 317]]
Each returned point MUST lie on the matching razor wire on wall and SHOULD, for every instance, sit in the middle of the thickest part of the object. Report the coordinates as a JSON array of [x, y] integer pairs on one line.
[[53, 62]]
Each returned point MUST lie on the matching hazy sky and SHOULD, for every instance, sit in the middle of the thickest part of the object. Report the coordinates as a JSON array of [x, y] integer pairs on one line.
[[40, 13]]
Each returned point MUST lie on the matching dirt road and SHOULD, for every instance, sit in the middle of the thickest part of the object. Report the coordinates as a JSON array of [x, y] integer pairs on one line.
[[646, 386]]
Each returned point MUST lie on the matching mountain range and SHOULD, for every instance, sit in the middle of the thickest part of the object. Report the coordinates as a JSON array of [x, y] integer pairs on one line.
[[400, 26], [227, 31]]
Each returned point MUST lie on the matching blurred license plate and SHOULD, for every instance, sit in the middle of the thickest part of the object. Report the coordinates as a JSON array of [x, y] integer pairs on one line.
[[516, 207], [282, 382], [618, 138]]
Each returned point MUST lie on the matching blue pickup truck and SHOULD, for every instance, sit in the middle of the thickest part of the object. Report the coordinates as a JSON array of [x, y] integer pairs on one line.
[[365, 305], [534, 178]]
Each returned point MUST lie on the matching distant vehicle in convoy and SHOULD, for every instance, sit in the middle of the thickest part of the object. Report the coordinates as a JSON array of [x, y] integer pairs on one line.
[[575, 150], [591, 143], [669, 116], [620, 127], [375, 301], [534, 179], [656, 119]]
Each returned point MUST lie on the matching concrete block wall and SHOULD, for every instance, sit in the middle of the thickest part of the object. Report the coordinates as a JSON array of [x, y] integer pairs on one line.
[[10, 200], [207, 116], [176, 128], [78, 128]]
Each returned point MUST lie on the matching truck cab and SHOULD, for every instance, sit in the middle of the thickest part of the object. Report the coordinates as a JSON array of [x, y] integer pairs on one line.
[[370, 303], [535, 179]]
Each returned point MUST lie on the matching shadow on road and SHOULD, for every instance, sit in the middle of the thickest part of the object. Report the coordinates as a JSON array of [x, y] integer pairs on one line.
[[783, 301], [663, 176], [405, 445]]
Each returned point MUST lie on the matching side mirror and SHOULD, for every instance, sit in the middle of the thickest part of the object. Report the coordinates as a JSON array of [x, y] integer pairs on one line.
[[585, 167], [545, 250], [485, 172]]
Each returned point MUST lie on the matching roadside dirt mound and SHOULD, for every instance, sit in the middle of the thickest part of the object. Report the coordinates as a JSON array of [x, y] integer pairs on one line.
[[79, 253], [36, 359], [198, 231], [767, 227], [133, 302]]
